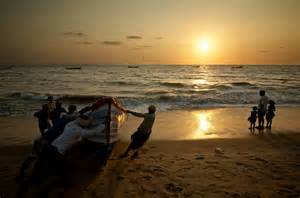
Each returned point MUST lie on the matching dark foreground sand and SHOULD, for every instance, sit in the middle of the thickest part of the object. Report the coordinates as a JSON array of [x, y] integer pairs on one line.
[[263, 164], [260, 166]]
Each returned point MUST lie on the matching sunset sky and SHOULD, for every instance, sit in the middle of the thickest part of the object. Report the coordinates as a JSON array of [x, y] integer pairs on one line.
[[150, 32]]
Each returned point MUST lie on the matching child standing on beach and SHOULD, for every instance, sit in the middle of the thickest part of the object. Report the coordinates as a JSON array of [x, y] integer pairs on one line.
[[143, 132], [252, 118], [270, 113]]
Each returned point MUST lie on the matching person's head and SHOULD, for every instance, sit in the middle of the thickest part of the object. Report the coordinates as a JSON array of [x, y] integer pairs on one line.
[[50, 98], [151, 109], [262, 92], [254, 108], [72, 108], [271, 102], [58, 103], [45, 107]]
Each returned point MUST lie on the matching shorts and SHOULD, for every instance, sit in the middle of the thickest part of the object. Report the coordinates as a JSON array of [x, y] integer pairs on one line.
[[138, 139]]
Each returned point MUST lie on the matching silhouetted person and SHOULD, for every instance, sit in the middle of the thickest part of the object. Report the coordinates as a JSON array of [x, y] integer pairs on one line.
[[252, 118], [48, 137], [143, 132], [270, 113], [262, 108], [55, 114], [42, 117], [53, 132], [51, 107]]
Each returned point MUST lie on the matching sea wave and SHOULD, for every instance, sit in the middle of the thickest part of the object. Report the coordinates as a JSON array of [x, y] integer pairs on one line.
[[174, 84], [175, 97]]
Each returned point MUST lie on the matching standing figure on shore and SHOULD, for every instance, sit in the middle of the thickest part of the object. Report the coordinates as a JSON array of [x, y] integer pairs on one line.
[[143, 132], [42, 116], [56, 113], [270, 113], [252, 118], [262, 108], [51, 107]]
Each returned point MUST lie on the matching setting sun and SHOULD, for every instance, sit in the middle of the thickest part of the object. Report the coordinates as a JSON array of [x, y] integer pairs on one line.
[[203, 45]]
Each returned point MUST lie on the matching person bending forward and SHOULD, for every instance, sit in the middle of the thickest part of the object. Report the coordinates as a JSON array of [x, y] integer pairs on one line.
[[143, 132]]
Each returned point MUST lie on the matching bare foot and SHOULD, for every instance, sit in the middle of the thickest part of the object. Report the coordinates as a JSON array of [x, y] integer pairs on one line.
[[135, 155]]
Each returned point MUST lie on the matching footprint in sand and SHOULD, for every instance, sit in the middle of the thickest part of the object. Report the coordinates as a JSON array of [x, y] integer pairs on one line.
[[147, 177], [173, 188]]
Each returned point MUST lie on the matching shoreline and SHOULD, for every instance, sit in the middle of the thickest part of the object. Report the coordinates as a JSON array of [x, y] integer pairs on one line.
[[170, 125]]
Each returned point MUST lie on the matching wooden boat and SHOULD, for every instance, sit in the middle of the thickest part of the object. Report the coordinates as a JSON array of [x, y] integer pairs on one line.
[[237, 67], [74, 68], [6, 67]]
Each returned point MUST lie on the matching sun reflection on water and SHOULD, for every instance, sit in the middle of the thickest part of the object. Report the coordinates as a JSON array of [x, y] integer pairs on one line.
[[203, 126]]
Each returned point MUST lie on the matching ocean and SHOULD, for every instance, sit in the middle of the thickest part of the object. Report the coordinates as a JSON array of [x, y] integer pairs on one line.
[[23, 89]]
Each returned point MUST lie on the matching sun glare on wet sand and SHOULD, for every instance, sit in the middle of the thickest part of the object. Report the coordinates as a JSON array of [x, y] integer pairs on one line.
[[204, 125]]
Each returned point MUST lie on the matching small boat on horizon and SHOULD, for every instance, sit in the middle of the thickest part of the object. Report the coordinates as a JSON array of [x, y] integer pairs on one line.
[[133, 66], [237, 67], [6, 67], [79, 67]]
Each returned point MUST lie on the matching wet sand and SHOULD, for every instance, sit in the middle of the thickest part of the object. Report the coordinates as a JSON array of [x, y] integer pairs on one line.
[[265, 164], [170, 125]]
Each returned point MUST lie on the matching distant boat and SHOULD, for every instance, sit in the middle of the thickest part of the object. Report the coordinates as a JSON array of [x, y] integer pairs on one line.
[[73, 67], [237, 67], [133, 66], [6, 67], [196, 66]]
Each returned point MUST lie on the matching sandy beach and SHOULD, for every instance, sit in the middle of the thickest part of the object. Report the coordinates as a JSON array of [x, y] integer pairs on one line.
[[265, 164]]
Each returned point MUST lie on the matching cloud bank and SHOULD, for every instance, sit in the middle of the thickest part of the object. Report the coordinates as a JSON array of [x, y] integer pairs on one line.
[[75, 34], [134, 37], [111, 42]]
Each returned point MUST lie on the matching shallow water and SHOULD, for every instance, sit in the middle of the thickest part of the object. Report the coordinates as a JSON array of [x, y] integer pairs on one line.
[[24, 88]]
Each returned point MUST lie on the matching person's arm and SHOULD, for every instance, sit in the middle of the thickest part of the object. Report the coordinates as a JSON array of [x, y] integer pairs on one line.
[[117, 105], [37, 114], [141, 115], [84, 120], [85, 109], [70, 116]]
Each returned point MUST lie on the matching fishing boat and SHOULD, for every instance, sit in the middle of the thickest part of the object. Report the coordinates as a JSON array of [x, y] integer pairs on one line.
[[74, 68], [237, 67], [133, 66], [6, 67]]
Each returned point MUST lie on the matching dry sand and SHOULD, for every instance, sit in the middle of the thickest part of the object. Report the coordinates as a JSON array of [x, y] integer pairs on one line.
[[260, 166], [263, 164]]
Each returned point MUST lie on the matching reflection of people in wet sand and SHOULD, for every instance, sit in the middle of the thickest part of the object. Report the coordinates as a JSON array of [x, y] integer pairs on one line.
[[252, 118], [143, 132], [262, 108], [270, 113]]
